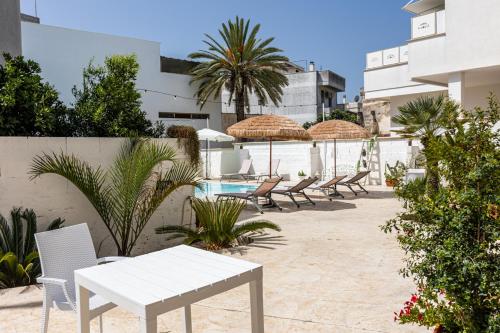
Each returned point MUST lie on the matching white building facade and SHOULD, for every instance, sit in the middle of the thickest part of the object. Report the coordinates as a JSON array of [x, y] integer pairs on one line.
[[63, 54], [454, 50], [309, 92]]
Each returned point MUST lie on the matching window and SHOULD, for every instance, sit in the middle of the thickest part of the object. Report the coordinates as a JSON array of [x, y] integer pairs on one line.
[[183, 115]]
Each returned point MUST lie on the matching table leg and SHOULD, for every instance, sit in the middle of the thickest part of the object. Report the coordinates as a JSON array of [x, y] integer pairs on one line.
[[82, 309], [256, 305], [148, 325], [188, 326]]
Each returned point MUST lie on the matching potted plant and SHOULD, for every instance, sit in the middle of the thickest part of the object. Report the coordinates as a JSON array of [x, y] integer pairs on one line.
[[302, 175], [394, 174]]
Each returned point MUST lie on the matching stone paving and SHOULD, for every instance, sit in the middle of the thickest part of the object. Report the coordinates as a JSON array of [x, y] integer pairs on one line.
[[331, 269]]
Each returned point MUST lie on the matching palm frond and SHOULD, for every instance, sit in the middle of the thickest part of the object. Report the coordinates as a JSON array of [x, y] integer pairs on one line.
[[254, 226]]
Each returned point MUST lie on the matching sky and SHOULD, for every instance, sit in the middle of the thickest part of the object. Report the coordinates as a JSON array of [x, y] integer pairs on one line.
[[335, 34]]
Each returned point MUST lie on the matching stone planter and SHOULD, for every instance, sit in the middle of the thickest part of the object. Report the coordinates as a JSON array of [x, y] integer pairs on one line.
[[412, 174]]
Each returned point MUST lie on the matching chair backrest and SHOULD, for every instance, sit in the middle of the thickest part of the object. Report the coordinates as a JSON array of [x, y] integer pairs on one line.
[[266, 187], [274, 167], [304, 183], [332, 182], [62, 251], [245, 167], [357, 177]]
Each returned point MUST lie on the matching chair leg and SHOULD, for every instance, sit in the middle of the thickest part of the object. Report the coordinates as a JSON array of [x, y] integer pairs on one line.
[[362, 188], [275, 204], [256, 205], [327, 195], [338, 193], [307, 197], [100, 324], [293, 199], [350, 187], [44, 323]]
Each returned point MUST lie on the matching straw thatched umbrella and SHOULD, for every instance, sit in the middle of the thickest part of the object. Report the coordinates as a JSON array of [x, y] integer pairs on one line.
[[272, 127], [337, 129]]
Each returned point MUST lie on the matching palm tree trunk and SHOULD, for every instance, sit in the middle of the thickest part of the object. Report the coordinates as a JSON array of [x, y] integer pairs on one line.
[[240, 105], [432, 184]]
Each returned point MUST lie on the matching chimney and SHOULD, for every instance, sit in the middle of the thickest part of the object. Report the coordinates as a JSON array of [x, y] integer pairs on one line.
[[10, 28], [312, 67]]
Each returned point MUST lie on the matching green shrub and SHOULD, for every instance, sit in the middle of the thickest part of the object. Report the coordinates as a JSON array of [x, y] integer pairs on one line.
[[108, 105], [19, 264], [217, 226], [451, 236], [29, 106]]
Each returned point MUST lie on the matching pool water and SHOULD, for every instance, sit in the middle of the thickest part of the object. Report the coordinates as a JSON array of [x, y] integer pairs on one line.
[[211, 189]]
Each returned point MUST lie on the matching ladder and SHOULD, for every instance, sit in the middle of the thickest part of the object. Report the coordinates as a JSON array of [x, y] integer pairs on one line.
[[369, 160]]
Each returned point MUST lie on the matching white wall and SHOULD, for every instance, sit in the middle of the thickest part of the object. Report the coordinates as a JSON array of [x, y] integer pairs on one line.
[[296, 156], [301, 90], [221, 161], [51, 196], [472, 34], [64, 53]]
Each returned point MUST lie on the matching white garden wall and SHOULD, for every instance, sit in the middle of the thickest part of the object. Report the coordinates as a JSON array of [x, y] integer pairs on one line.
[[51, 196], [296, 156]]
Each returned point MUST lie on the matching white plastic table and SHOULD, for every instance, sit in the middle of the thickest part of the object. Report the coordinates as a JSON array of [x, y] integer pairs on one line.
[[158, 282]]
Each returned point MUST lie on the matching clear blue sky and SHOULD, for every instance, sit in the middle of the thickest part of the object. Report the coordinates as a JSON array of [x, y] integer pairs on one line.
[[336, 34]]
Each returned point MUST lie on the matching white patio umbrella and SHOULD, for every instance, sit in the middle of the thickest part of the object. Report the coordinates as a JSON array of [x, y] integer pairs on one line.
[[208, 135]]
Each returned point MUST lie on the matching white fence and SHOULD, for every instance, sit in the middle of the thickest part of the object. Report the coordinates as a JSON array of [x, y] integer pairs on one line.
[[302, 156], [51, 196]]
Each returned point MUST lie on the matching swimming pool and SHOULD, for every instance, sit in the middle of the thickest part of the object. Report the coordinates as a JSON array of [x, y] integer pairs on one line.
[[211, 189]]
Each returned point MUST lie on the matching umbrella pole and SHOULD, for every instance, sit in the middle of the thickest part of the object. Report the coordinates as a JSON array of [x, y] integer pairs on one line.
[[206, 159], [270, 157], [324, 159], [335, 157]]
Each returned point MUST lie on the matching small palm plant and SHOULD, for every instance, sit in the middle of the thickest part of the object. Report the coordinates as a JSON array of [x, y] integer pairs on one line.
[[243, 64], [19, 263], [127, 195], [424, 118], [217, 227]]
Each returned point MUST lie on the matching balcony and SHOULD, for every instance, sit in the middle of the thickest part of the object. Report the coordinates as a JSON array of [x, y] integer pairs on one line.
[[329, 78], [387, 57], [428, 25]]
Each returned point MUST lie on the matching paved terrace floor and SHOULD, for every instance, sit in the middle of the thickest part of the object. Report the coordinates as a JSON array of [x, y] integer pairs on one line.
[[331, 269]]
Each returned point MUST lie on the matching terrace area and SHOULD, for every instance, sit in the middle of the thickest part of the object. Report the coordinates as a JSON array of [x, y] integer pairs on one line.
[[330, 269]]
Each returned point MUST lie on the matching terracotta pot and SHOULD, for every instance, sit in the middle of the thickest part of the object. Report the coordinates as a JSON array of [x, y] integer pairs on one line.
[[391, 182], [438, 329]]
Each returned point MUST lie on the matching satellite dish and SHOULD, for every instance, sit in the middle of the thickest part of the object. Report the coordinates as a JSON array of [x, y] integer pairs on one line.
[[356, 98]]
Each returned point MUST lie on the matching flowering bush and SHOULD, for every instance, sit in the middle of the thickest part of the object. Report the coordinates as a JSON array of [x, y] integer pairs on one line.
[[451, 235]]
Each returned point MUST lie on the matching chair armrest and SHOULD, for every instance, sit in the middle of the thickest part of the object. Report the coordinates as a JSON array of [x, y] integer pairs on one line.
[[109, 259], [47, 280], [60, 283]]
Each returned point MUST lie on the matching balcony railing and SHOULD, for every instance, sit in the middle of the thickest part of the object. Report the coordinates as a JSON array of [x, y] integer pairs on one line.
[[388, 57], [428, 25]]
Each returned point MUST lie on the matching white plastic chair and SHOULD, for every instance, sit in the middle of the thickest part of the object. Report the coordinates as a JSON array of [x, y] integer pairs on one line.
[[63, 251]]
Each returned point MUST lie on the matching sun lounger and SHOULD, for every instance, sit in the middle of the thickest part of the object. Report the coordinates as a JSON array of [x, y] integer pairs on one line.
[[355, 181], [329, 188], [244, 172], [298, 189], [274, 171], [263, 191]]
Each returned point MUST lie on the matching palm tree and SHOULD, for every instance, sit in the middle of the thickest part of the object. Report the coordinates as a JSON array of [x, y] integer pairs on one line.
[[127, 195], [217, 226], [242, 64], [423, 118]]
